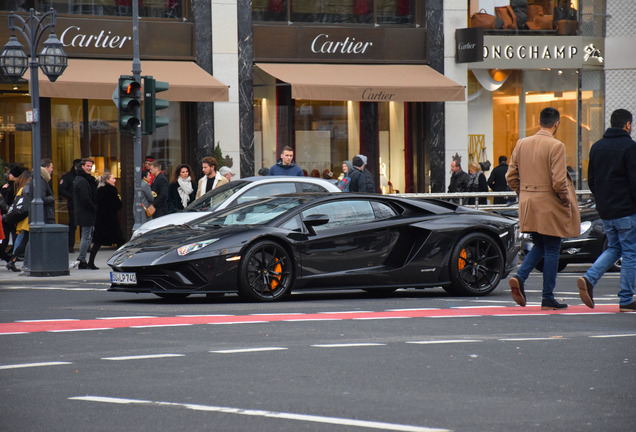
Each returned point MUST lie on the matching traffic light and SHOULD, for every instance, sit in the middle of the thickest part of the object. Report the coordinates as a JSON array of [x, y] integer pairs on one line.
[[129, 103], [152, 104]]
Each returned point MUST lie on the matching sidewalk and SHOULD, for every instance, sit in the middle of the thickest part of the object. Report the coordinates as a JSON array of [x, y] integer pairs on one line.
[[76, 275]]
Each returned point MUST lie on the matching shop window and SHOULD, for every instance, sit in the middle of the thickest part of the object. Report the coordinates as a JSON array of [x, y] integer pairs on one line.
[[558, 17], [336, 11], [147, 8], [516, 104]]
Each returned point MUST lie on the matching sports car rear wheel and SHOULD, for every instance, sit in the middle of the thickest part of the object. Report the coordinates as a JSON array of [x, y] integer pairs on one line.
[[476, 265], [265, 273]]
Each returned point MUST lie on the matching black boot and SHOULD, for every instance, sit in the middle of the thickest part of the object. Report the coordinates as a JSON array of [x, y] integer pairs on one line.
[[11, 266]]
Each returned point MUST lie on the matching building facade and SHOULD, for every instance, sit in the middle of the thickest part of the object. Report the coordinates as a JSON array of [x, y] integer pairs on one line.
[[575, 56], [78, 116]]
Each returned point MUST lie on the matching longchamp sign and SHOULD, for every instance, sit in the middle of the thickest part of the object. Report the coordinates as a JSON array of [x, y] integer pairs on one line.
[[565, 52]]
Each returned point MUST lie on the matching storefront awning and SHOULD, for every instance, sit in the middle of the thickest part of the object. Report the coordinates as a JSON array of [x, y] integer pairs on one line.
[[97, 79], [368, 83]]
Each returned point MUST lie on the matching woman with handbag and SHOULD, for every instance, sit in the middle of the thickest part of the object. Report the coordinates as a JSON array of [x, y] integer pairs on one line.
[[19, 214], [147, 196]]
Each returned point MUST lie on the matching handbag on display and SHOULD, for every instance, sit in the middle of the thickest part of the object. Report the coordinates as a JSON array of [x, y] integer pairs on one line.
[[507, 15], [483, 20]]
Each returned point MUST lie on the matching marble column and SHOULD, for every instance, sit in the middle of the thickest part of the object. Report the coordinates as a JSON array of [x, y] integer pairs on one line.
[[246, 87], [201, 14], [435, 113]]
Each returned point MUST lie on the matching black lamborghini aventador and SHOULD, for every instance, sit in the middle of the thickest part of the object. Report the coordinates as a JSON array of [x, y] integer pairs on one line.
[[263, 250]]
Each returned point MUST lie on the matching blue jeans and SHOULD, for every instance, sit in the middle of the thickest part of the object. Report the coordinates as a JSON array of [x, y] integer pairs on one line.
[[548, 248], [621, 243]]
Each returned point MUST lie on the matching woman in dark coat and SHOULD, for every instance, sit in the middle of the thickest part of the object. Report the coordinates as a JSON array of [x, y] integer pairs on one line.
[[107, 231], [183, 189]]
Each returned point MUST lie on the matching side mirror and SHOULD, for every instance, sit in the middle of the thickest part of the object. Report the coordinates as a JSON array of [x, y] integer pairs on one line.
[[315, 220]]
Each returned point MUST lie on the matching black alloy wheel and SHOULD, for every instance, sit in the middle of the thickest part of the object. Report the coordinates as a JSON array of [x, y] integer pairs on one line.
[[266, 272], [476, 265]]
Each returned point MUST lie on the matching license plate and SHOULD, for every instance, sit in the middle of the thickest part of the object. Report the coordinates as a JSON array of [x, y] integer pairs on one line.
[[123, 278]]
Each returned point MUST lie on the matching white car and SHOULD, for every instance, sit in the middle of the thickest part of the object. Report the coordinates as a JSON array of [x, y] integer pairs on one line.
[[237, 192]]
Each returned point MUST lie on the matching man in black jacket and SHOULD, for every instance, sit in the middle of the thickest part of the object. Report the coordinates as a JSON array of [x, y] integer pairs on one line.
[[358, 180], [612, 180], [497, 180], [65, 190], [85, 203], [459, 178], [159, 189]]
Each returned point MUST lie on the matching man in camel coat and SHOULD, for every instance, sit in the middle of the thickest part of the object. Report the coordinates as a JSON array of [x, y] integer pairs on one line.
[[548, 208]]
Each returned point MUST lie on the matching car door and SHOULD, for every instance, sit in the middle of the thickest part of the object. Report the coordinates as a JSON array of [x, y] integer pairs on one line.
[[352, 244]]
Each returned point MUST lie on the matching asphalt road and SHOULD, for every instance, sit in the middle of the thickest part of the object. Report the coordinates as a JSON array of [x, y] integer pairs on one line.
[[77, 358]]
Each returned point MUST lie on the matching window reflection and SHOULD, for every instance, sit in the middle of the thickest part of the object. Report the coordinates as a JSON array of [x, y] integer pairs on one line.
[[147, 8], [335, 11]]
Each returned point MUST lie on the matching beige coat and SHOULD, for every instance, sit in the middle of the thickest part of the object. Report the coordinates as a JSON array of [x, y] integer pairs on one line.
[[538, 173], [219, 180]]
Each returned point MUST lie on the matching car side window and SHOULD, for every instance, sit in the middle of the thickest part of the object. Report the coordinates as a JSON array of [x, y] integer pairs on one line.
[[266, 191], [293, 224], [310, 187], [383, 211], [343, 213]]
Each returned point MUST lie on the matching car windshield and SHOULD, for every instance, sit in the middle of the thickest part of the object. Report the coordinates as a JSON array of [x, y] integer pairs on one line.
[[253, 213], [211, 200]]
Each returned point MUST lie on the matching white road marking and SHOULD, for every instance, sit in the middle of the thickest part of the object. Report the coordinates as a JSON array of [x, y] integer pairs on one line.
[[47, 320], [125, 317], [614, 336], [531, 339], [347, 345], [269, 414], [311, 319], [79, 330], [28, 365], [14, 333], [143, 357], [248, 350], [448, 341]]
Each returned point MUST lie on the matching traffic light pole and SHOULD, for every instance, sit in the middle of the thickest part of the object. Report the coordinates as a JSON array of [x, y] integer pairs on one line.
[[136, 71]]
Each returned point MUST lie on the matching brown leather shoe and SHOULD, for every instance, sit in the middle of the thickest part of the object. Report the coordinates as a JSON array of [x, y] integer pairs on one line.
[[517, 291], [586, 291], [630, 307]]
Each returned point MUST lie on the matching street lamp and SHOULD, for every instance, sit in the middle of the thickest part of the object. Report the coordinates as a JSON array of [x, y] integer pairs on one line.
[[13, 64]]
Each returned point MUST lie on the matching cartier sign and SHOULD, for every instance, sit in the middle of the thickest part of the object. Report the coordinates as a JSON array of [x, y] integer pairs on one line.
[[469, 43], [73, 36], [106, 37], [339, 44]]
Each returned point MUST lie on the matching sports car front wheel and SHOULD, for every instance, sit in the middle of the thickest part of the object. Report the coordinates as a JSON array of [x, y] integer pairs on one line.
[[265, 273], [476, 265]]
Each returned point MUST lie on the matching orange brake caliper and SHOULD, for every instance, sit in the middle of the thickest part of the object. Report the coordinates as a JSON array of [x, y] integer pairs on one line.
[[461, 262]]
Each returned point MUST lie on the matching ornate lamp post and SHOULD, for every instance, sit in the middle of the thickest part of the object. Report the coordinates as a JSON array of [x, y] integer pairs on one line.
[[13, 64]]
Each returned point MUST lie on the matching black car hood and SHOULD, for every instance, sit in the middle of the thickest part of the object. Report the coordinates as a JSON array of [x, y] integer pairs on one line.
[[162, 244]]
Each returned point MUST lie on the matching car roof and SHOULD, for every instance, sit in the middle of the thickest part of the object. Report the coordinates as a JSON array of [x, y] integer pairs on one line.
[[298, 179]]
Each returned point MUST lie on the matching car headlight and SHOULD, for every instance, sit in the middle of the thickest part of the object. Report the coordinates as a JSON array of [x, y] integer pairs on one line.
[[585, 226], [193, 247]]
